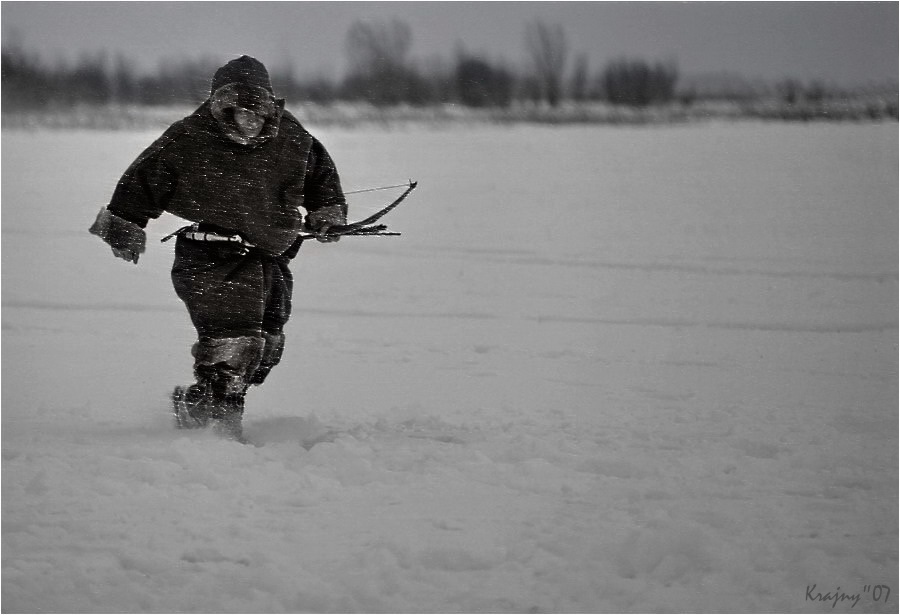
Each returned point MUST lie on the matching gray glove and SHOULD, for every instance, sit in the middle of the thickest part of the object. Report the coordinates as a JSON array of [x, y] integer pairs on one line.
[[127, 239], [320, 220]]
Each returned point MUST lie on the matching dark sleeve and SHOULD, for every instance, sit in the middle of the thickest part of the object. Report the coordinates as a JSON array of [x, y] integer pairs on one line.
[[145, 187], [322, 184]]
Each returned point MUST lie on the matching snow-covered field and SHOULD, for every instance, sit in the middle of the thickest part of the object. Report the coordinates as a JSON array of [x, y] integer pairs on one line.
[[603, 369]]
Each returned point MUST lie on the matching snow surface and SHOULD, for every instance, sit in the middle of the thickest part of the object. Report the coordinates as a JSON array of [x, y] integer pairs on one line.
[[603, 369]]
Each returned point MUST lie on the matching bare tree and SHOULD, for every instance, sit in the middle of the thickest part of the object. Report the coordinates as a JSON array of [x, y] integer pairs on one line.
[[378, 46], [123, 85], [379, 68], [440, 75], [284, 78], [578, 86], [548, 50]]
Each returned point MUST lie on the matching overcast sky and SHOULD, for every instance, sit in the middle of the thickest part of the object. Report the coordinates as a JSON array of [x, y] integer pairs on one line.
[[846, 43]]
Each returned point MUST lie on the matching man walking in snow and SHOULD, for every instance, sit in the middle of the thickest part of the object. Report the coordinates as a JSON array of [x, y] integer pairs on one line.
[[239, 168]]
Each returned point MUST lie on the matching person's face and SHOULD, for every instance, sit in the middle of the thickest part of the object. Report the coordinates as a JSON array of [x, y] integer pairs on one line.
[[249, 123]]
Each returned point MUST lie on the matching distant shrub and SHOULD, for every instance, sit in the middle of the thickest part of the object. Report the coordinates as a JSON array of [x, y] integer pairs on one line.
[[479, 84], [638, 83]]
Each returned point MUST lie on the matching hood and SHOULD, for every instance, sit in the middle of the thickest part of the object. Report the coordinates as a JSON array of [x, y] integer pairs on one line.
[[246, 71], [245, 83]]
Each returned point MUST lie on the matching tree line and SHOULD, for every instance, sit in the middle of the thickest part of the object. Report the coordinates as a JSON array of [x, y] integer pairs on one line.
[[380, 71]]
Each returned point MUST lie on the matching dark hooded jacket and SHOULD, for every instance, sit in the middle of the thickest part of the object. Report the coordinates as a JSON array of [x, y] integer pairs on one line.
[[203, 170]]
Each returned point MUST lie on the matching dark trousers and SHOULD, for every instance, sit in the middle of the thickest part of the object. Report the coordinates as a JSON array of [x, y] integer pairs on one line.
[[230, 291], [239, 301]]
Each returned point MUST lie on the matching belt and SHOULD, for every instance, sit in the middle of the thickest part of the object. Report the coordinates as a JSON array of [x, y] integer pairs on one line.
[[192, 233]]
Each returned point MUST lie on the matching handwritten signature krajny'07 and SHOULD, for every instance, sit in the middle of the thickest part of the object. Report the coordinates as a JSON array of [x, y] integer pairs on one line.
[[877, 593]]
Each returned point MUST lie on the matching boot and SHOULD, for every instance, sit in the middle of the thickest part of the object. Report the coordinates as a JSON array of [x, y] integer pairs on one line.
[[227, 418], [191, 405], [222, 367], [195, 408]]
